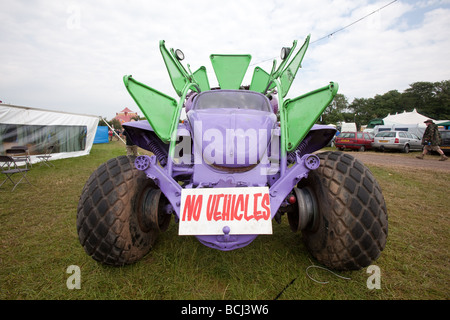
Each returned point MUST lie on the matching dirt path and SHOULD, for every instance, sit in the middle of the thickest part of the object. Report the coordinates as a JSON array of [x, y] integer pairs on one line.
[[409, 161]]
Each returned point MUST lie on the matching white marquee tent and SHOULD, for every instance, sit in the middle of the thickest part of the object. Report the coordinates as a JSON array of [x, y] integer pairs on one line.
[[406, 121], [71, 134], [412, 117]]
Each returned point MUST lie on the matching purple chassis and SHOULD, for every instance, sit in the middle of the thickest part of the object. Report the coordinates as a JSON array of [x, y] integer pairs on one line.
[[204, 172]]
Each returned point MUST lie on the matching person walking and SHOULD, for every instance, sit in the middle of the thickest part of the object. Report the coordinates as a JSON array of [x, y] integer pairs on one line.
[[431, 140]]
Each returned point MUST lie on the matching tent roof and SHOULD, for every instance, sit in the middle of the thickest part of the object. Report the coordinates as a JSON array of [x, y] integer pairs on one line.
[[412, 117], [47, 110], [127, 110], [33, 116], [447, 123]]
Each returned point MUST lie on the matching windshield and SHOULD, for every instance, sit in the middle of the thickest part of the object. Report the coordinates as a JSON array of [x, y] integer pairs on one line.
[[445, 134], [374, 122], [238, 99], [347, 135], [386, 134]]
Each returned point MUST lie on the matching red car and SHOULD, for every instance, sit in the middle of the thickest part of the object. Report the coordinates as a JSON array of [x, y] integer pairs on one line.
[[354, 140]]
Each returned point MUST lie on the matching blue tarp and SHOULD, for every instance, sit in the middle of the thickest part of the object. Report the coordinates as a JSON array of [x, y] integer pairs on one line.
[[101, 136]]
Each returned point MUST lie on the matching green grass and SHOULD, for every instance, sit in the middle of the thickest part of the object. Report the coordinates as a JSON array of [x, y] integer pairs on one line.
[[38, 241]]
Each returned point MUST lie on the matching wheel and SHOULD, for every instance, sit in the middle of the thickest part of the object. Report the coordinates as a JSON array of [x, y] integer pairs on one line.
[[406, 148], [112, 222], [350, 226], [362, 149]]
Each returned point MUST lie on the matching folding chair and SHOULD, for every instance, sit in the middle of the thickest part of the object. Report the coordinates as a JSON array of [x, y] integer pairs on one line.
[[44, 159], [9, 167], [20, 154]]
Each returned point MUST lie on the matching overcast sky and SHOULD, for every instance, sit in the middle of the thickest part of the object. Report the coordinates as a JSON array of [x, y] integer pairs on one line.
[[71, 55]]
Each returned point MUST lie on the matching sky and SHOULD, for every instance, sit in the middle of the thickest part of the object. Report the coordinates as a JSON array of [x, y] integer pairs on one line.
[[71, 56]]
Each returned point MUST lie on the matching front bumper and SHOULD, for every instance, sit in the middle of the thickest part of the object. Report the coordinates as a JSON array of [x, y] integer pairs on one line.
[[227, 241]]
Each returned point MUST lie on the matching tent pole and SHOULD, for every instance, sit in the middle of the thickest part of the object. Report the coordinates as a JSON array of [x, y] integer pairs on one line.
[[114, 132]]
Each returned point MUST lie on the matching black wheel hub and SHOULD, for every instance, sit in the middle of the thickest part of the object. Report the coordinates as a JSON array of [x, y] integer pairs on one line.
[[153, 211], [306, 211]]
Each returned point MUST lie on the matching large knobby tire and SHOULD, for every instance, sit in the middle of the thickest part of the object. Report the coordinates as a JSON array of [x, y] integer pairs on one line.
[[107, 220], [351, 226]]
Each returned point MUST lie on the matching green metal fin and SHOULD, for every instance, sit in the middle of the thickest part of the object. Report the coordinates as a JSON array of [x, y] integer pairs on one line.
[[260, 80], [302, 112], [159, 109], [201, 78], [276, 74], [230, 69], [287, 76], [178, 74]]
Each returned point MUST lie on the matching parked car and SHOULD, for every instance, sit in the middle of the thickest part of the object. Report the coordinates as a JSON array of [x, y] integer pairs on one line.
[[445, 145], [354, 140], [397, 140]]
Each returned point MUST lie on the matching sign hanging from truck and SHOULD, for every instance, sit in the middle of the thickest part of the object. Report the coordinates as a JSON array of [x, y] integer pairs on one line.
[[215, 211]]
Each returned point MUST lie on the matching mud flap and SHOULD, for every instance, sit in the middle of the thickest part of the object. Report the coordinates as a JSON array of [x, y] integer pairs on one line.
[[300, 114]]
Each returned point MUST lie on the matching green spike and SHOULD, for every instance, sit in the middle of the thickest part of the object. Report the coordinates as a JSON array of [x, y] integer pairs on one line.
[[230, 69], [302, 112], [158, 108], [201, 78]]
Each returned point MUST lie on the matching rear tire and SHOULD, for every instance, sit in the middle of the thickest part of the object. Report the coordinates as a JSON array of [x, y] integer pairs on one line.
[[406, 148], [351, 226], [107, 220]]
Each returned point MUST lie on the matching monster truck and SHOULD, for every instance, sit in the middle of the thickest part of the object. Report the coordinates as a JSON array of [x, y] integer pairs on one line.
[[244, 156]]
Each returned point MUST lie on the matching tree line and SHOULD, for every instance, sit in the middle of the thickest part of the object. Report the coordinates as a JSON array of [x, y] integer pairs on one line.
[[431, 99]]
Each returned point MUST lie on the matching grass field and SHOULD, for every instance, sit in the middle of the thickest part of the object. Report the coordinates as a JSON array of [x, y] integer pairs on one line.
[[38, 242]]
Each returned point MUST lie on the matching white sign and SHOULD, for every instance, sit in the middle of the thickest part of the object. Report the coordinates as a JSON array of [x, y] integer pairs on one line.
[[207, 211]]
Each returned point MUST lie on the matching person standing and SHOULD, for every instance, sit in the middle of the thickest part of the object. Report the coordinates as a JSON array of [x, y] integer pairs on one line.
[[131, 147], [431, 140]]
